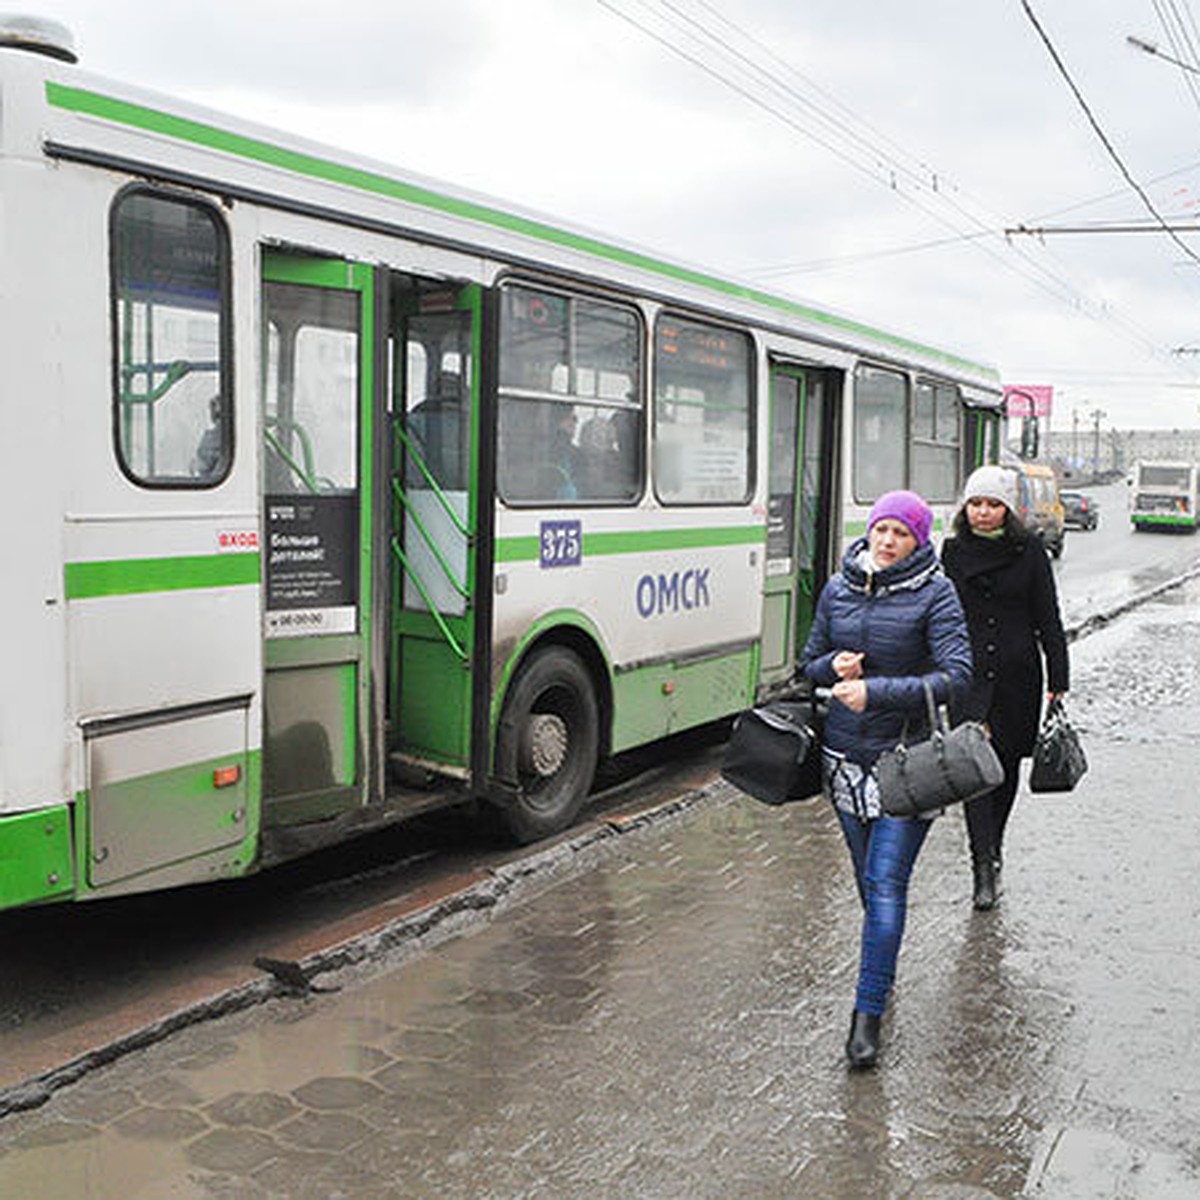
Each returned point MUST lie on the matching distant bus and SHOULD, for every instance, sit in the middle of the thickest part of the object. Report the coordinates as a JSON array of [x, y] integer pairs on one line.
[[1164, 495], [335, 494]]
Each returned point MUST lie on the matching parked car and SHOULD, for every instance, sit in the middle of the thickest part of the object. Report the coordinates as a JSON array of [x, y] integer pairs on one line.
[[1080, 511]]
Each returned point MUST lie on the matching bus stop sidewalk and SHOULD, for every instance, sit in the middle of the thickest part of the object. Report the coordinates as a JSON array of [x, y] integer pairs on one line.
[[664, 1015], [668, 1020]]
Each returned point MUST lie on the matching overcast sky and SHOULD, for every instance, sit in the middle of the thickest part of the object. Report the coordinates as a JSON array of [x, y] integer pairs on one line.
[[864, 156]]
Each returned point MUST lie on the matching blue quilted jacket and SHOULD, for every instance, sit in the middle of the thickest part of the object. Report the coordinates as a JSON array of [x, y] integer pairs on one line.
[[908, 620]]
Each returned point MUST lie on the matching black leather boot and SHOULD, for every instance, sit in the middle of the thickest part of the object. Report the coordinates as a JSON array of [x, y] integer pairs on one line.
[[987, 891], [862, 1046]]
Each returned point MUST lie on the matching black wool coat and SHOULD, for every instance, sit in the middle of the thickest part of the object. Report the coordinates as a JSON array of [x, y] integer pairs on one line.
[[1009, 595]]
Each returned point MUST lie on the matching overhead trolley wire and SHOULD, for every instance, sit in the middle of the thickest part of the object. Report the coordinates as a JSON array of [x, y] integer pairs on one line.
[[1048, 281], [908, 177], [824, 264], [1104, 139], [1183, 45], [848, 123], [675, 48]]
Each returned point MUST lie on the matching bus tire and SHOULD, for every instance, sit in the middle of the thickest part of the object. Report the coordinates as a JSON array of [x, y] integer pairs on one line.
[[547, 744]]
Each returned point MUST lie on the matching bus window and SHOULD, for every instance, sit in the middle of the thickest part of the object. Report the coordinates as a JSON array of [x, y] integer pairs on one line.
[[170, 298], [880, 431], [935, 437], [570, 421], [701, 413], [310, 425]]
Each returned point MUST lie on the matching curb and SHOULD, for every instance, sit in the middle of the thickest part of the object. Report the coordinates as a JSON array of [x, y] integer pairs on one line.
[[423, 925], [1097, 620]]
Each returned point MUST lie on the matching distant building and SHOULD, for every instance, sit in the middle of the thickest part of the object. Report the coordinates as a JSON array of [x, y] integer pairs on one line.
[[1083, 454]]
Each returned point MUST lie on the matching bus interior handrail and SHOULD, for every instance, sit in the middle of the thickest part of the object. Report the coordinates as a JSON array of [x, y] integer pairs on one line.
[[439, 620], [402, 497], [306, 472]]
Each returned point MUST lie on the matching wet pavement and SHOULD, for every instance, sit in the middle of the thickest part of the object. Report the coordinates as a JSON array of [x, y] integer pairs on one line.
[[663, 1015]]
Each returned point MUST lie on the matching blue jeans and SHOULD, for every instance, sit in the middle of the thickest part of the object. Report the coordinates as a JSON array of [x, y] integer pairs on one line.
[[884, 851]]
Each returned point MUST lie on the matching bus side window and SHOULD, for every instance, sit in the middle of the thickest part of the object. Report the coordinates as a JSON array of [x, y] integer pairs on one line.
[[310, 393], [880, 431], [570, 416], [702, 413], [935, 452], [170, 302]]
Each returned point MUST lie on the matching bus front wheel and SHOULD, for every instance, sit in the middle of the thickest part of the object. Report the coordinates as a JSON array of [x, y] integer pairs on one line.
[[547, 744]]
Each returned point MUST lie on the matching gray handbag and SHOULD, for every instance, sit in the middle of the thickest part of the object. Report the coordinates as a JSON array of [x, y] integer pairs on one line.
[[955, 763]]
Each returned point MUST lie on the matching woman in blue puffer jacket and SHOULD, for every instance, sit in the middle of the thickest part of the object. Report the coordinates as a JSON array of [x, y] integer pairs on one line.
[[888, 623]]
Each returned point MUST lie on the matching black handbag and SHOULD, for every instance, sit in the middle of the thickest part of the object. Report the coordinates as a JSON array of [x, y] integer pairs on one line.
[[954, 764], [774, 753], [1059, 762]]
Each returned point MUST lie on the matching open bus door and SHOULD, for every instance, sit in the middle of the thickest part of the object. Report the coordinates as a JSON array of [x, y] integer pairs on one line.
[[318, 417], [800, 474], [437, 697]]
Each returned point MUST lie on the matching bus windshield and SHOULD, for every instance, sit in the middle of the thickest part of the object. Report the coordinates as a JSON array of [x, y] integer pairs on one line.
[[1163, 476]]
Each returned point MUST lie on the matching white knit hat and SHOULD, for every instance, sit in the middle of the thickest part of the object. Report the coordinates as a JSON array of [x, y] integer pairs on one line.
[[996, 483]]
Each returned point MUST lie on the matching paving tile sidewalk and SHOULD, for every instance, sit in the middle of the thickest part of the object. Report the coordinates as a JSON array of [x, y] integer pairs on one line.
[[668, 1022]]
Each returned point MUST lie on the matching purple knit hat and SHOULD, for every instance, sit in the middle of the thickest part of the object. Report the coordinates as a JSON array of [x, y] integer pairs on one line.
[[906, 507]]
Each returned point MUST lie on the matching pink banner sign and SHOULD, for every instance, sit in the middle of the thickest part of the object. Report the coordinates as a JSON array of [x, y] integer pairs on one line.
[[1028, 399]]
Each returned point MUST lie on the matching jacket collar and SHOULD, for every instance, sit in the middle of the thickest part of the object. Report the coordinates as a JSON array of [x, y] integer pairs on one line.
[[907, 575], [978, 555]]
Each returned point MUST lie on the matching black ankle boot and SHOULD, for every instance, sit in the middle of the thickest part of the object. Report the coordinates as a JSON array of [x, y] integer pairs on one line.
[[986, 890], [862, 1046]]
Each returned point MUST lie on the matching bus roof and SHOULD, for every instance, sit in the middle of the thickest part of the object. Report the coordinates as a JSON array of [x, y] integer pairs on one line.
[[157, 136]]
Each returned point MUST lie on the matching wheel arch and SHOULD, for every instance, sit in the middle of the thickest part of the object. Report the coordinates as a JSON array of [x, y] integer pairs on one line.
[[574, 631]]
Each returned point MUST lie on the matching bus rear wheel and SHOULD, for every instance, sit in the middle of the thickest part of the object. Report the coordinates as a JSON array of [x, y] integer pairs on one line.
[[547, 744]]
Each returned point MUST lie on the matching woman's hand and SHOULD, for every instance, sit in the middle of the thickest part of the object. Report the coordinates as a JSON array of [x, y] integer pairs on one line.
[[847, 664], [852, 693]]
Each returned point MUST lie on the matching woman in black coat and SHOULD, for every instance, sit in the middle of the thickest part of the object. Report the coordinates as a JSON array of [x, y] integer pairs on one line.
[[1007, 588]]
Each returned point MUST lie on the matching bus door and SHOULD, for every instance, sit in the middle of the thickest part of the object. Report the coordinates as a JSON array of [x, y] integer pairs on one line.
[[436, 484], [797, 536], [318, 391], [162, 565]]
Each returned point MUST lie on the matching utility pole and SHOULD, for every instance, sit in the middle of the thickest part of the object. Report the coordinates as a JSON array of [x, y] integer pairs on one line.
[[1097, 415]]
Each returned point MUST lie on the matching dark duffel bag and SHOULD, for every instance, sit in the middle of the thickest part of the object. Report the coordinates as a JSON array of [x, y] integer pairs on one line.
[[774, 753]]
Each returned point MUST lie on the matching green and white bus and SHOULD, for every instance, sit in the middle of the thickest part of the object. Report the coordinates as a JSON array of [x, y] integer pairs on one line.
[[1164, 496], [335, 494]]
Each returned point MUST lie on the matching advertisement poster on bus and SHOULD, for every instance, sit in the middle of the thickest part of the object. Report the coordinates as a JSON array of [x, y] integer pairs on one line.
[[312, 579]]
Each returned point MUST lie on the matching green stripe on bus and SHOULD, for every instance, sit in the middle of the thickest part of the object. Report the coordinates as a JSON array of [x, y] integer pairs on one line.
[[138, 116], [86, 580], [526, 549]]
